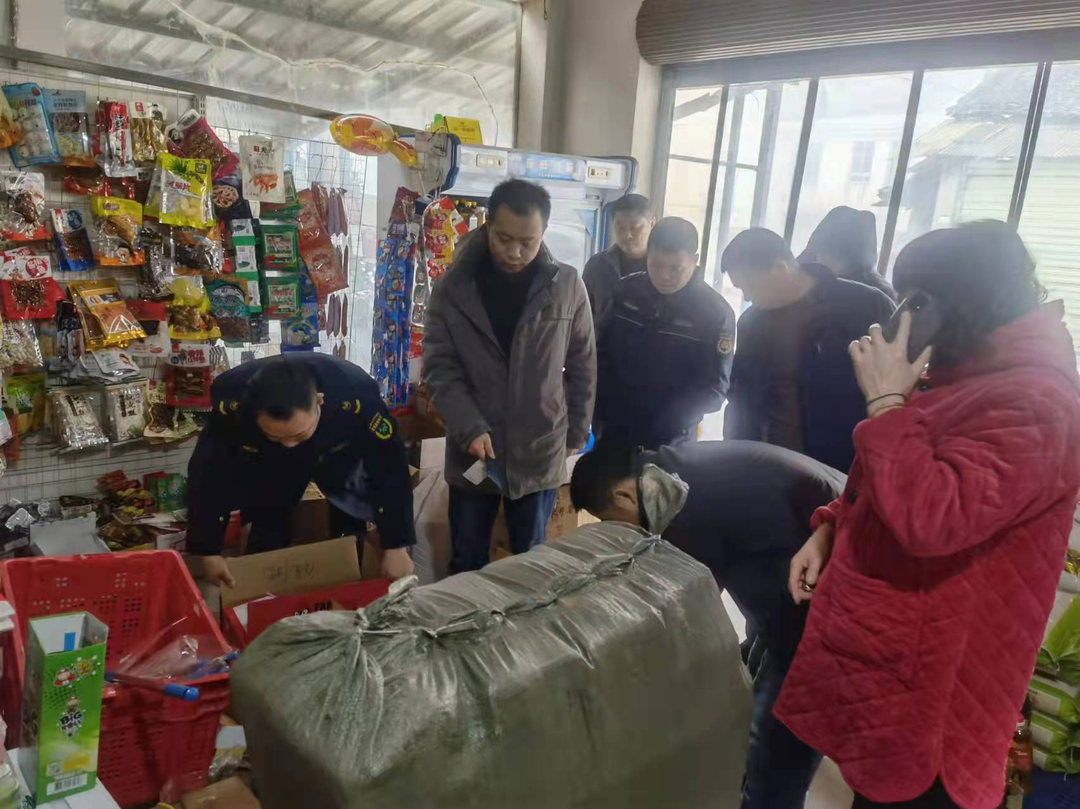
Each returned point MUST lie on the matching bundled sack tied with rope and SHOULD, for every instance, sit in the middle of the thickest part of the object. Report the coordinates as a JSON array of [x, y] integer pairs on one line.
[[600, 670]]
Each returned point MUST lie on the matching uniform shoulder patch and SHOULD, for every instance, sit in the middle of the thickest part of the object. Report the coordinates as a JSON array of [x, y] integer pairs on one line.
[[227, 406], [351, 407], [381, 426], [726, 344]]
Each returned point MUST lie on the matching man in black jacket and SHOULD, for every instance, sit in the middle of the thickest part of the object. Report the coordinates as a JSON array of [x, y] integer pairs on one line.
[[279, 423], [845, 242], [747, 511], [664, 350], [792, 383], [632, 220]]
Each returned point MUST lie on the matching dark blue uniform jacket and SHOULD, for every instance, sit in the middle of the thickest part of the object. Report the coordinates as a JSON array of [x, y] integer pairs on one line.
[[356, 457]]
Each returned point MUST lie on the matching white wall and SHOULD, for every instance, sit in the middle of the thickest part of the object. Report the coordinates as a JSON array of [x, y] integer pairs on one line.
[[584, 88]]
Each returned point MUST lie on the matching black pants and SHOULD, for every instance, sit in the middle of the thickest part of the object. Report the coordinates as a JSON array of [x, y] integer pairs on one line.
[[935, 798], [270, 528]]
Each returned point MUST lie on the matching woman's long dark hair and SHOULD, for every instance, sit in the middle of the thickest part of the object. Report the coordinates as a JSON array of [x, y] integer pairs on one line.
[[980, 274]]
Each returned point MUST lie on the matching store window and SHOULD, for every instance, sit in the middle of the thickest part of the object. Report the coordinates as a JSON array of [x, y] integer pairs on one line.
[[968, 132], [858, 123], [693, 139], [1051, 211], [756, 169]]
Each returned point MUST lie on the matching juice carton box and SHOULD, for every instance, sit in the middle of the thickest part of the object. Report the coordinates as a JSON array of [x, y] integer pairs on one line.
[[61, 715]]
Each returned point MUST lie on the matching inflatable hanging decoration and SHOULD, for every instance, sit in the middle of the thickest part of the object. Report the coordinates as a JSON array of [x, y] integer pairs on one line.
[[365, 135]]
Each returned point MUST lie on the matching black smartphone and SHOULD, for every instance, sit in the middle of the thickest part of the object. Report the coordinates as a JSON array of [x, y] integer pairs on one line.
[[926, 322]]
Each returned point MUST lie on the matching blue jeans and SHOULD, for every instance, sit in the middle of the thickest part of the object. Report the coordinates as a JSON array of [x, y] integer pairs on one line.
[[472, 516], [779, 767]]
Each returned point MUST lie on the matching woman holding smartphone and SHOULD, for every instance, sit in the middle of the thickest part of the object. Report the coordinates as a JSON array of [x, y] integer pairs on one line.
[[938, 564]]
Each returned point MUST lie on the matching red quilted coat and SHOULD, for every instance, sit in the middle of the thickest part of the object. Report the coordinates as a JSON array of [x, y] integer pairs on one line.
[[950, 539]]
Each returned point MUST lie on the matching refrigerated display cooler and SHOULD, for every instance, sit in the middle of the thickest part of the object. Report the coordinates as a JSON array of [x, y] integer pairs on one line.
[[581, 188]]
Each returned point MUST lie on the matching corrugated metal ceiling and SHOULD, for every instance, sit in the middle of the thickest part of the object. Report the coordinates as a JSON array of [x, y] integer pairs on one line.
[[402, 60]]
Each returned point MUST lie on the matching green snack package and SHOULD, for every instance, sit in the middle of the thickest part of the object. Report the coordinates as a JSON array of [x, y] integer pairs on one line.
[[25, 395], [1060, 652], [288, 210], [1051, 733], [228, 304], [169, 492], [281, 295], [1055, 698], [61, 714], [1067, 762], [280, 248]]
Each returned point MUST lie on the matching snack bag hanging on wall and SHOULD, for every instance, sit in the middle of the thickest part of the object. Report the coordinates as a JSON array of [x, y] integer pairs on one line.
[[105, 304], [147, 131], [10, 131], [185, 192], [196, 139], [115, 235], [71, 126], [262, 162], [287, 211], [317, 250], [25, 218], [113, 140], [38, 144], [76, 255]]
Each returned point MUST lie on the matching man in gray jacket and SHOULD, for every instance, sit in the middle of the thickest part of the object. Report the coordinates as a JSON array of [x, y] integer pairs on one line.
[[510, 357]]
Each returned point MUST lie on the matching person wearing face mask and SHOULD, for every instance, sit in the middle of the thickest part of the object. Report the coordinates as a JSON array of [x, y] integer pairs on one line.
[[632, 220], [510, 359], [665, 348], [278, 424], [792, 383], [742, 508]]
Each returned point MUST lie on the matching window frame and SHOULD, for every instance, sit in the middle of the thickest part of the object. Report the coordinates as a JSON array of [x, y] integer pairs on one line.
[[1041, 49]]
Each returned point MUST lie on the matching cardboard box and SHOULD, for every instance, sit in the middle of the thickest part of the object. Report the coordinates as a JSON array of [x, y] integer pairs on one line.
[[563, 520], [61, 715], [289, 571], [228, 794]]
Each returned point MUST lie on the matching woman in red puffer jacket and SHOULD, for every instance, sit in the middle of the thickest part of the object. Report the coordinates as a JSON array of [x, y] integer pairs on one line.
[[941, 558]]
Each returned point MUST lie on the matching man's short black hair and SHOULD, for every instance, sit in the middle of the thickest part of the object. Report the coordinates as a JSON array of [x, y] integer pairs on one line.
[[597, 472], [521, 197], [280, 388], [674, 235], [756, 249], [633, 204]]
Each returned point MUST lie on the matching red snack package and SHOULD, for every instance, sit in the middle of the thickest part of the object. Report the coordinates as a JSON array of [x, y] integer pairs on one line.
[[112, 140], [317, 250], [86, 182], [31, 299], [195, 138], [188, 388]]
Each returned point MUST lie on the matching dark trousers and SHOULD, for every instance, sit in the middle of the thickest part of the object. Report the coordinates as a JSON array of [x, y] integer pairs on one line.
[[779, 767], [472, 516], [935, 798]]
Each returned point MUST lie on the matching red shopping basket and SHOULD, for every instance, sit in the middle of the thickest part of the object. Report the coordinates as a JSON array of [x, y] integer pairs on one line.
[[147, 739]]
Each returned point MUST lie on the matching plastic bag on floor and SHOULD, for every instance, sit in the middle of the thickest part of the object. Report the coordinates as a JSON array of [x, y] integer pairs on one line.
[[598, 671]]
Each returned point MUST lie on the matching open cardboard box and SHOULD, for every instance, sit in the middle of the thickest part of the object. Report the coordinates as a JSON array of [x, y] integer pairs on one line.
[[299, 579]]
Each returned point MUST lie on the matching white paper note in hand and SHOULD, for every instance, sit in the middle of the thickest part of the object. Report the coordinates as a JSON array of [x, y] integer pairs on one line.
[[477, 473]]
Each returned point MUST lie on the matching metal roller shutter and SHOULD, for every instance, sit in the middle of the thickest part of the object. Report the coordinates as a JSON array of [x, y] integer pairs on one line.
[[671, 31]]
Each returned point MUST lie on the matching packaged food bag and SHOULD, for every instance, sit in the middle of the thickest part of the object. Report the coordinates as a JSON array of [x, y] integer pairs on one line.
[[25, 196], [112, 143], [115, 234], [1055, 698], [195, 138], [1067, 762], [1051, 733], [262, 163], [1060, 651], [185, 191], [71, 126], [38, 144], [599, 670]]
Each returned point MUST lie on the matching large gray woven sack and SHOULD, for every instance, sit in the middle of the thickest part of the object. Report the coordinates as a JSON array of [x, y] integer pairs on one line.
[[597, 671]]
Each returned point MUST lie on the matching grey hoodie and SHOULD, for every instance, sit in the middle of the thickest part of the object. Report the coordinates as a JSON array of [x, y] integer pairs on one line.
[[536, 403]]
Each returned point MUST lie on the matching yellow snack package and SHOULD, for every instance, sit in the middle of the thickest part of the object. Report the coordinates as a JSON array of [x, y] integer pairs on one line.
[[189, 311], [102, 303], [185, 192], [114, 235]]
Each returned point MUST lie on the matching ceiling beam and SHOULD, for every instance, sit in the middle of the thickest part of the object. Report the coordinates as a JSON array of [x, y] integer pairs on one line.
[[355, 23]]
